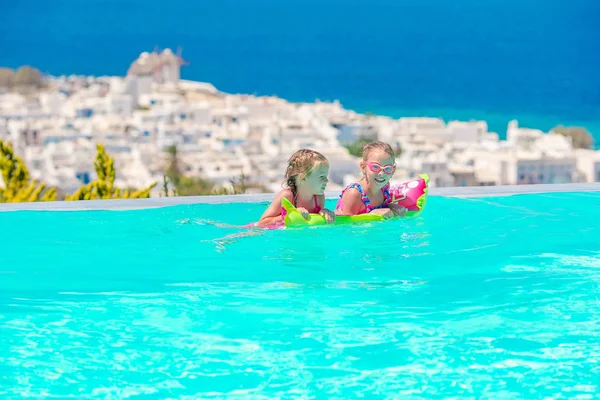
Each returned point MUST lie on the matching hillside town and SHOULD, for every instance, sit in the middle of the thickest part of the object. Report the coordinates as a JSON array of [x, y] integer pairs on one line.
[[221, 136]]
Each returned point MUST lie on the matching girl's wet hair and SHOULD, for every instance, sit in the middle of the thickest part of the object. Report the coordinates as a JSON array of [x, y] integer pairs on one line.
[[377, 145], [300, 164]]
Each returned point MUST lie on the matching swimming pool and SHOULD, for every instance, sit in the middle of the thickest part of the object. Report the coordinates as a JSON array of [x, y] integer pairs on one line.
[[494, 297]]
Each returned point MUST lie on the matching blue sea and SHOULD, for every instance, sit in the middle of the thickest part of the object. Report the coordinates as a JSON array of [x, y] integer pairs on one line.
[[536, 61]]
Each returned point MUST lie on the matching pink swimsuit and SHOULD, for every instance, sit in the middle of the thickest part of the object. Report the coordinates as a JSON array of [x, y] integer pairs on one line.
[[387, 198], [316, 211], [280, 224]]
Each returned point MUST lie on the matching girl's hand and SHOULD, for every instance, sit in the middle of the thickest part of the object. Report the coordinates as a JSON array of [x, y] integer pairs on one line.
[[304, 212], [399, 211], [329, 215], [386, 213]]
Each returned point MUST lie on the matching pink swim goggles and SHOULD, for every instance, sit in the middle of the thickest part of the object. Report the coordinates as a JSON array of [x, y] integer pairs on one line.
[[376, 167]]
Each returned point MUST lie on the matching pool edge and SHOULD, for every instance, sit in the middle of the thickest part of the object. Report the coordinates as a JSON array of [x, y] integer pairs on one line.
[[136, 204]]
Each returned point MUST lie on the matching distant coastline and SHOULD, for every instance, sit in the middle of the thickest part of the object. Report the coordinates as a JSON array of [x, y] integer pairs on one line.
[[497, 122]]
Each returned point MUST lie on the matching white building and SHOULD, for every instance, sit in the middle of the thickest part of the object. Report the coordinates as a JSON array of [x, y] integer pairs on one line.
[[467, 132], [424, 159], [53, 102], [522, 137], [351, 132], [3, 129], [532, 167], [431, 130], [68, 164], [164, 68], [588, 164], [120, 104]]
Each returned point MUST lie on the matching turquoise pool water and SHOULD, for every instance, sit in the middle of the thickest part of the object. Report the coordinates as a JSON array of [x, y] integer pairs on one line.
[[477, 298]]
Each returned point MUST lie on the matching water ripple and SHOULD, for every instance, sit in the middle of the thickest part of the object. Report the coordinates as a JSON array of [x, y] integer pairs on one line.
[[505, 305]]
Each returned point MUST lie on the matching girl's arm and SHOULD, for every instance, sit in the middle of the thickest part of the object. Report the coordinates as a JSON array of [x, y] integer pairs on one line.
[[272, 214], [386, 213], [352, 203], [399, 211], [328, 214]]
